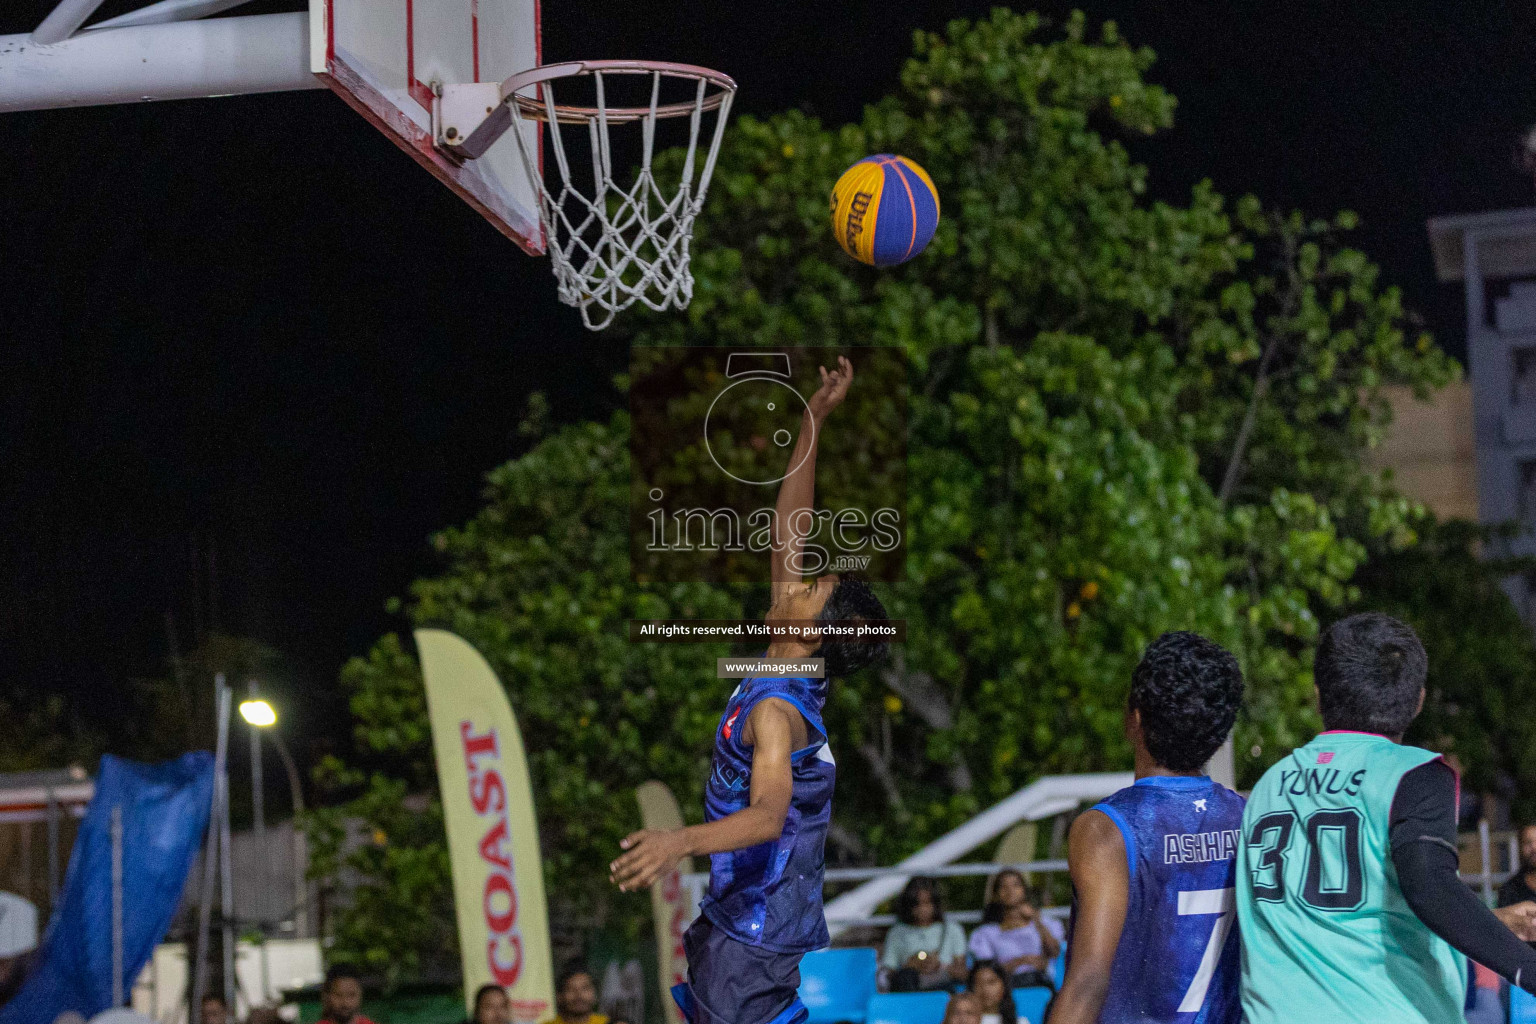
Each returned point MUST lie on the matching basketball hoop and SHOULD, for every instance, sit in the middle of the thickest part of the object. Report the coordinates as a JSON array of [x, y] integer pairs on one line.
[[611, 245]]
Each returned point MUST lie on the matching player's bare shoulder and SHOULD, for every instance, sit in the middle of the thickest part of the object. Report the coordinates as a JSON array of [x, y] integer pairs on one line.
[[1093, 826], [772, 714], [1093, 838]]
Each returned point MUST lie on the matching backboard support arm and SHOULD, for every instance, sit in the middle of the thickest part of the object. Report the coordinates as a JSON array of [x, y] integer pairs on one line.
[[377, 56], [63, 21], [175, 60], [168, 11], [468, 119]]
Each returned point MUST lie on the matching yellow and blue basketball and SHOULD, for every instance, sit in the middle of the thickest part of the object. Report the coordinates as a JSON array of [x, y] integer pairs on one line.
[[884, 210]]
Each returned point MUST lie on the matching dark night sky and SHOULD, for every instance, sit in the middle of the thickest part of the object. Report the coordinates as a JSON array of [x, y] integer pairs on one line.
[[245, 320]]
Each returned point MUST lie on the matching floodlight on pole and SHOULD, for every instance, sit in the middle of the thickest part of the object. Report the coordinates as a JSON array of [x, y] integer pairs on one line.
[[258, 713]]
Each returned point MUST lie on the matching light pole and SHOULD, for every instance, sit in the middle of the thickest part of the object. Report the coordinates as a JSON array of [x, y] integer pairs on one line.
[[261, 715], [215, 855], [258, 714], [300, 854]]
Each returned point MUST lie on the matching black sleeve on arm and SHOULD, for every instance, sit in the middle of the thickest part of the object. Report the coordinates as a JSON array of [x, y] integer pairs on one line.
[[1424, 852]]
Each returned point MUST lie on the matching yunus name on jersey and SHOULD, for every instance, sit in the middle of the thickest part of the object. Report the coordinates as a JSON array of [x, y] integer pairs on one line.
[[1321, 781]]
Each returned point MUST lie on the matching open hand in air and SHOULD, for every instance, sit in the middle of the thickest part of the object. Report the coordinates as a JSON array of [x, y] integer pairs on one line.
[[834, 388]]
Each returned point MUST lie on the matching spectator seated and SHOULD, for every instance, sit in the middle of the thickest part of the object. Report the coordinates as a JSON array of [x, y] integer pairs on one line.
[[907, 1008], [836, 984]]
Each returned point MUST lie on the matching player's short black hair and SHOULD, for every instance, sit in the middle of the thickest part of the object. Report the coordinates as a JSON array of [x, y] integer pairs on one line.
[[851, 599], [906, 903], [1188, 690], [1370, 670], [336, 972], [485, 990]]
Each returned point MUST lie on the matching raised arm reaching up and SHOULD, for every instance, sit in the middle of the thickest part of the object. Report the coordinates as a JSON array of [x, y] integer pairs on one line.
[[794, 515]]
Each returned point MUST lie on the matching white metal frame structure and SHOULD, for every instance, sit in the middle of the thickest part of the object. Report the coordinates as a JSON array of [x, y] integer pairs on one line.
[[159, 52], [1043, 798], [360, 49]]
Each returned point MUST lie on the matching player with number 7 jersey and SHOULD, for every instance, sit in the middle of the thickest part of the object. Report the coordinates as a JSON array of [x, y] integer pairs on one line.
[[1153, 937]]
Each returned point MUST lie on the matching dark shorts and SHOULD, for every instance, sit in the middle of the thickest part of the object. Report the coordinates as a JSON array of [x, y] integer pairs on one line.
[[730, 982]]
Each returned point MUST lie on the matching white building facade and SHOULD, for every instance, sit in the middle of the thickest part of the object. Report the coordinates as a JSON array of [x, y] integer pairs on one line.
[[1494, 255]]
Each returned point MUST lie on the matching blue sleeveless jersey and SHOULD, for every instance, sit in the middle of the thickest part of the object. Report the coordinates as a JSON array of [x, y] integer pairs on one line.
[[770, 895], [1177, 961]]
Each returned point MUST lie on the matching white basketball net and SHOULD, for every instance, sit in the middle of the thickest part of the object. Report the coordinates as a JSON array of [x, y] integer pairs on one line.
[[614, 244]]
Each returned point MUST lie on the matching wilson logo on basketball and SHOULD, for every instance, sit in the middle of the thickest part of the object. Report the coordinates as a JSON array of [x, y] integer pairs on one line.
[[859, 207]]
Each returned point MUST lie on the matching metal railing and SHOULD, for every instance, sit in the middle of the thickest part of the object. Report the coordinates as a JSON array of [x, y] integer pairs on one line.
[[947, 871], [1043, 798], [699, 880]]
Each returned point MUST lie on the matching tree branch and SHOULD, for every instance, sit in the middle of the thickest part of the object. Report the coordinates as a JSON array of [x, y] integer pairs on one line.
[[960, 779], [919, 692], [847, 842], [1250, 417], [883, 775], [1261, 378], [926, 698]]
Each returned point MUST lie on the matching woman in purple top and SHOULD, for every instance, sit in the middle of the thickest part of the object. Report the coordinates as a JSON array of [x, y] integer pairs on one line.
[[1016, 935]]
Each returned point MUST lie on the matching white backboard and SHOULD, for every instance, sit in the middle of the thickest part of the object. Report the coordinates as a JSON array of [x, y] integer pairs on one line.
[[384, 57]]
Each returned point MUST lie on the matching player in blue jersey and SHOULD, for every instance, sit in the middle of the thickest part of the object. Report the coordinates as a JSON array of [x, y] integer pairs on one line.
[[769, 797], [1152, 936]]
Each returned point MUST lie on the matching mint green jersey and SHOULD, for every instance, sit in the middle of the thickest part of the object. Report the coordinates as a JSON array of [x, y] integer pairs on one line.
[[1327, 936]]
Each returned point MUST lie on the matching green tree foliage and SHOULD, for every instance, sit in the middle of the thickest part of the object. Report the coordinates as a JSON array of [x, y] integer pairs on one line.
[[398, 920], [541, 603], [39, 734], [176, 713], [1126, 416], [168, 717], [1482, 680]]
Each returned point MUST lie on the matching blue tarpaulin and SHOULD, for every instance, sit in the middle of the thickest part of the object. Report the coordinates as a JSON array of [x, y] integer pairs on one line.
[[164, 813]]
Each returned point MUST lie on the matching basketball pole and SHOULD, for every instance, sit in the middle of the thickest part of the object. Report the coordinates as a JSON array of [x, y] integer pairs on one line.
[[221, 703], [163, 61]]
